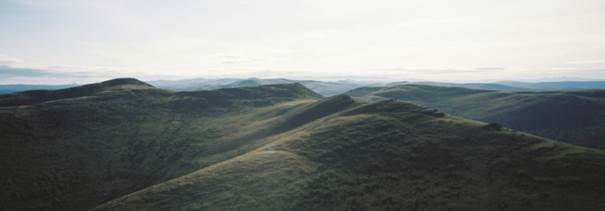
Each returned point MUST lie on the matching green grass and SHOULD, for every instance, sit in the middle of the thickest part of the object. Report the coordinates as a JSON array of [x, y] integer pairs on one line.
[[278, 147], [76, 152], [369, 158]]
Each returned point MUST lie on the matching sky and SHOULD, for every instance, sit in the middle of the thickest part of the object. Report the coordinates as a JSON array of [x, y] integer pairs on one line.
[[78, 41]]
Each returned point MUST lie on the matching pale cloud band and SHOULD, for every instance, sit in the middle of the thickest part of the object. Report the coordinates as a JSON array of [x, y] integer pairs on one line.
[[466, 40]]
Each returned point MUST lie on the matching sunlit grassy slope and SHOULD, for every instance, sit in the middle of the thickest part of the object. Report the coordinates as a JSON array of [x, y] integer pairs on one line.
[[389, 155], [277, 147], [576, 117]]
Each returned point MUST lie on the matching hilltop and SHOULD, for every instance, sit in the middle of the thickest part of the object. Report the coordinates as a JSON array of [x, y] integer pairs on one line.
[[276, 147], [77, 147], [576, 117], [38, 96]]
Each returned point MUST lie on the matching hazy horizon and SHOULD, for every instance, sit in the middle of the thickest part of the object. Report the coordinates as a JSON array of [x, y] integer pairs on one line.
[[62, 42]]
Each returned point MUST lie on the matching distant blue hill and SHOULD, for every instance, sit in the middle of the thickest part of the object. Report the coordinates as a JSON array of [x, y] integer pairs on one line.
[[10, 88], [517, 86]]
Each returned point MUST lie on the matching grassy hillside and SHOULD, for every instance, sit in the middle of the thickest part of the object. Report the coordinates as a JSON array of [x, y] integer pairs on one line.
[[389, 156], [576, 117], [129, 146], [73, 153]]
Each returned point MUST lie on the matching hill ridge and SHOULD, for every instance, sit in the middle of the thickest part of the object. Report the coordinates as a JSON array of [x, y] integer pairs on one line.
[[576, 117], [315, 167], [279, 147], [134, 138], [39, 96]]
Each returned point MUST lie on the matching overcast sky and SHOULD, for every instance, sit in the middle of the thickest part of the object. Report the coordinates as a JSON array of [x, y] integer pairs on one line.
[[66, 41]]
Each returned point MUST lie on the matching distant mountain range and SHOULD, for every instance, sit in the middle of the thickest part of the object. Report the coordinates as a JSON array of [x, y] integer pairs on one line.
[[325, 88], [127, 145], [557, 85], [518, 86], [338, 87], [4, 89], [331, 88]]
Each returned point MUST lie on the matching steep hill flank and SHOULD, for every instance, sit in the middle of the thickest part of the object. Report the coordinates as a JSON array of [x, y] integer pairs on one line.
[[389, 156], [278, 147], [576, 117]]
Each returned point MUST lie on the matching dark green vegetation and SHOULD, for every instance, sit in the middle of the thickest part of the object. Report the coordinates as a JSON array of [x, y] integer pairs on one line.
[[125, 145], [576, 117]]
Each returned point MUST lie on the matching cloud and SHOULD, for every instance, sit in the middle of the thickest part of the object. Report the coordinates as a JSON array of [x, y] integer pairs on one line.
[[7, 60], [235, 59], [425, 71], [13, 74], [9, 72], [436, 39], [481, 69], [14, 70]]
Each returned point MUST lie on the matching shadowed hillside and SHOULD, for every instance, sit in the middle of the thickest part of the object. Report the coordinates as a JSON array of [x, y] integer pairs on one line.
[[389, 156], [130, 146], [78, 151], [576, 117]]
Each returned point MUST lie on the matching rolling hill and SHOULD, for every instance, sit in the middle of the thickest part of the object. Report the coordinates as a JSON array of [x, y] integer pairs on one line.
[[125, 145], [74, 148], [324, 88], [576, 117]]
